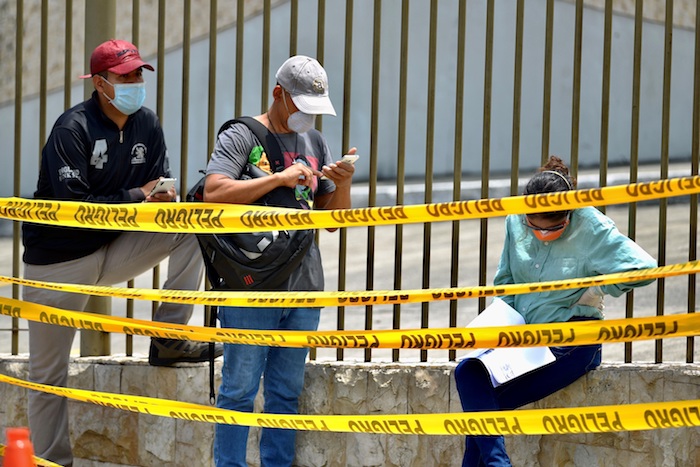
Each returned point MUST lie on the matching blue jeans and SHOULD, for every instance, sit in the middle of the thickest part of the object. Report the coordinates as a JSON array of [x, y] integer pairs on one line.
[[283, 370], [478, 395]]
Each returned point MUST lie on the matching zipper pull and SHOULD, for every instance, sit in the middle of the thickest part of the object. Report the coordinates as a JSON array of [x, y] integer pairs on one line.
[[121, 136]]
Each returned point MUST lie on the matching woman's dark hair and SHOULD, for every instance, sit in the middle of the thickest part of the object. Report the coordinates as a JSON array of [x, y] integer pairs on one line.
[[552, 177]]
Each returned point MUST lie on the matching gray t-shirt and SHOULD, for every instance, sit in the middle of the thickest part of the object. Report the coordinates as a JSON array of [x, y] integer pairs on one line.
[[237, 145]]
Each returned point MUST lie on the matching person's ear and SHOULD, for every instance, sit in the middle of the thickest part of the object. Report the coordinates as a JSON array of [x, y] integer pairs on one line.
[[277, 93], [98, 83]]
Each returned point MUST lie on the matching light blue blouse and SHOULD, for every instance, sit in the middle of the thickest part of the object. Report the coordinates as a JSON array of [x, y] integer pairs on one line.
[[590, 245]]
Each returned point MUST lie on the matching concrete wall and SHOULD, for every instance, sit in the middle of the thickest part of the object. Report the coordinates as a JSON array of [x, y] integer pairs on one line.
[[108, 437]]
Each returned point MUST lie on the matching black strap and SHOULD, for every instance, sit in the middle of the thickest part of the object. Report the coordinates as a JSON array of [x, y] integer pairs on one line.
[[267, 139], [212, 350]]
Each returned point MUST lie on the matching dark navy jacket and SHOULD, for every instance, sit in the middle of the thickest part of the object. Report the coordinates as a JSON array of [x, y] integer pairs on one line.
[[87, 158]]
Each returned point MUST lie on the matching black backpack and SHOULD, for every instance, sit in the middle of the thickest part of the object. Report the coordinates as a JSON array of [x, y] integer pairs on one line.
[[254, 260]]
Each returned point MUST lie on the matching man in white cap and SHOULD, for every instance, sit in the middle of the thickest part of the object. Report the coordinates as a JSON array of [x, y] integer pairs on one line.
[[108, 149], [319, 182]]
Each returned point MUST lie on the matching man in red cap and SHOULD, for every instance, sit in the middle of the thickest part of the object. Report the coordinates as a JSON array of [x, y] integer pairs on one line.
[[108, 149]]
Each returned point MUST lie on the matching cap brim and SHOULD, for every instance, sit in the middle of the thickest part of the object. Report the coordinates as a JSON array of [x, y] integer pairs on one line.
[[124, 68], [314, 105]]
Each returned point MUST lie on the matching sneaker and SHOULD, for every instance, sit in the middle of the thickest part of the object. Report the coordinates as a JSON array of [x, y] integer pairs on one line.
[[165, 352]]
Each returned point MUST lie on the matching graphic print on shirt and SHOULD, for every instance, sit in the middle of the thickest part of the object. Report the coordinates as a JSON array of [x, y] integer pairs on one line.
[[99, 154], [303, 192], [66, 173], [138, 154]]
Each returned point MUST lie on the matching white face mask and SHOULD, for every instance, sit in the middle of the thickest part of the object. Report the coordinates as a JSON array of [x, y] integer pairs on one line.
[[298, 122]]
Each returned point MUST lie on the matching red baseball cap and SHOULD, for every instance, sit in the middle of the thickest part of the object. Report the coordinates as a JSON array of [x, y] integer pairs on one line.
[[116, 56]]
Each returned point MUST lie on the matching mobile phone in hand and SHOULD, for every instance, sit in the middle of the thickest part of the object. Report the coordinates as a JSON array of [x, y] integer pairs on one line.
[[350, 158], [163, 186]]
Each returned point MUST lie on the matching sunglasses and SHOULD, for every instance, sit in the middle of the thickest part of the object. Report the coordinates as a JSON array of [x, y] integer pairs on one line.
[[554, 228]]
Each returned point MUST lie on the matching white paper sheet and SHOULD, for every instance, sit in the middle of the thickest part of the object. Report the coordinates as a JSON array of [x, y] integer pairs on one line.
[[505, 364]]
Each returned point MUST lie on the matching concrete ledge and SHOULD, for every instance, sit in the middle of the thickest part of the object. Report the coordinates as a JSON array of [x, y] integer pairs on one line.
[[108, 437]]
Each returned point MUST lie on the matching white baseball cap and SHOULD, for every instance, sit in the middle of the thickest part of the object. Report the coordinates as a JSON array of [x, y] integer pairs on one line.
[[306, 81]]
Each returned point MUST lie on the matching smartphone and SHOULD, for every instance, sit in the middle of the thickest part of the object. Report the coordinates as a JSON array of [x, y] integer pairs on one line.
[[163, 185], [350, 158]]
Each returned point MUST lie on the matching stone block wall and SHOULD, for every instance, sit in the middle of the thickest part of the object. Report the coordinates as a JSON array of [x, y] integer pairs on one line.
[[109, 437]]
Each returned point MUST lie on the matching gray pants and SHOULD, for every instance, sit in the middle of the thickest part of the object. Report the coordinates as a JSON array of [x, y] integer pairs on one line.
[[131, 254]]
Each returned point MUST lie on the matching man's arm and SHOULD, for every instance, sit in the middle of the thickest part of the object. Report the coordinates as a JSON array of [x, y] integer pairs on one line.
[[221, 188]]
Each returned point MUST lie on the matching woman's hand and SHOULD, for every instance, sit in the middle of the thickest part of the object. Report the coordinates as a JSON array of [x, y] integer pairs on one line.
[[593, 296]]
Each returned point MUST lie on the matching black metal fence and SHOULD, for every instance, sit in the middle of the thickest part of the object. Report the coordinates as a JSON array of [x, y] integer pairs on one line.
[[446, 100]]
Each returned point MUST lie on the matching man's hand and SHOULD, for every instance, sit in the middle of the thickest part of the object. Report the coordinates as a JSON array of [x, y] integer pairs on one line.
[[163, 197], [340, 172], [297, 174]]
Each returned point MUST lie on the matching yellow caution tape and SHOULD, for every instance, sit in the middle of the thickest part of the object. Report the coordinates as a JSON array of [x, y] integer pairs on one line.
[[532, 335], [37, 460], [357, 298], [227, 218], [599, 419]]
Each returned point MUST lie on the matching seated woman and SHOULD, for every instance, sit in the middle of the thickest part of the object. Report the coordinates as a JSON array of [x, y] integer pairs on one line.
[[544, 247]]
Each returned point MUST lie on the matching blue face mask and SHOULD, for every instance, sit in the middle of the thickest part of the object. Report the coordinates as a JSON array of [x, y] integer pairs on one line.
[[128, 98]]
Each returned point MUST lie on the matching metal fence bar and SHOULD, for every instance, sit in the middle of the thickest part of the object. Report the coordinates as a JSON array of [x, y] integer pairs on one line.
[[347, 94], [665, 128], [265, 81], [373, 144], [400, 166], [43, 53], [135, 21], [293, 27], [17, 160], [185, 93], [211, 117], [695, 156], [185, 117], [240, 29], [160, 100], [605, 98], [576, 91], [486, 146], [429, 153], [100, 25], [457, 159], [517, 94], [634, 148], [547, 85], [320, 56], [160, 72], [321, 46], [68, 56], [135, 24]]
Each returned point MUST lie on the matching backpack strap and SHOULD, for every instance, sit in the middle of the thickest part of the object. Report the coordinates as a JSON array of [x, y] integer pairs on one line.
[[212, 348], [267, 139]]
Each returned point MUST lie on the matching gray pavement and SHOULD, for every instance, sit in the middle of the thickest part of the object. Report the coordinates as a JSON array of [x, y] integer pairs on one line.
[[645, 303]]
